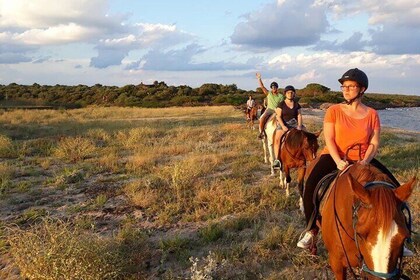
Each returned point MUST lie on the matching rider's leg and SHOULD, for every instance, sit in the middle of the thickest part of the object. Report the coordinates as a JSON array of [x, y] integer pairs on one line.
[[324, 165], [276, 143], [263, 120], [261, 123]]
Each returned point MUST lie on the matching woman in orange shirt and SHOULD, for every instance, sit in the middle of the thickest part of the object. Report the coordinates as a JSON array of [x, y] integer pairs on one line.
[[345, 125]]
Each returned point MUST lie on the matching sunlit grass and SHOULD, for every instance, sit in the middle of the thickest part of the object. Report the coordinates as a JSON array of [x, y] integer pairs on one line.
[[161, 186]]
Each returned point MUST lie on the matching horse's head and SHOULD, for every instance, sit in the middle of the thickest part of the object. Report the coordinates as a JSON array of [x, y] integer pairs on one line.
[[310, 145], [379, 224]]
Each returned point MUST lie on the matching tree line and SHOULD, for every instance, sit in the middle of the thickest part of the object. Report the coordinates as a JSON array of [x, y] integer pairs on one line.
[[159, 94]]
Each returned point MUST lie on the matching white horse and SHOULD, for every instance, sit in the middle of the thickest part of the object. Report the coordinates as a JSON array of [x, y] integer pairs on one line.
[[268, 144]]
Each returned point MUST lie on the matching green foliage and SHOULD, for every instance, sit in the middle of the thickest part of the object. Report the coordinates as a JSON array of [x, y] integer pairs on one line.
[[161, 95], [211, 233]]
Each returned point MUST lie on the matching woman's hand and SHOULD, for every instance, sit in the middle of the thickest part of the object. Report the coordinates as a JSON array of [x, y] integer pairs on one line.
[[342, 164], [258, 75]]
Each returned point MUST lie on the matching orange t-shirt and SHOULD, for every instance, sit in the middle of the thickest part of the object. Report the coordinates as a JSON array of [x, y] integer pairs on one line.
[[350, 131]]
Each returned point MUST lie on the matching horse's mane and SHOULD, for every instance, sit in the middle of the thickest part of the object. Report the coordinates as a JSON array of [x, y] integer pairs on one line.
[[296, 138], [382, 197]]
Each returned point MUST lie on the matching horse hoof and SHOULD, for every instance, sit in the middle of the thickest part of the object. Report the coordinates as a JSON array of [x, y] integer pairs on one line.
[[301, 205]]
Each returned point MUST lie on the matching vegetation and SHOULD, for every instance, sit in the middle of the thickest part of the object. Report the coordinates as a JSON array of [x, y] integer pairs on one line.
[[172, 193], [159, 94]]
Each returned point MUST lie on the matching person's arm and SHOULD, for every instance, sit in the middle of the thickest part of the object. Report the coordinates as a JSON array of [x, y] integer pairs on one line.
[[265, 91], [329, 134], [299, 120], [373, 147], [280, 120]]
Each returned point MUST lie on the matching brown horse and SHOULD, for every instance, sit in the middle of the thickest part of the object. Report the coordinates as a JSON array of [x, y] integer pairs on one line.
[[251, 117], [363, 223], [297, 148]]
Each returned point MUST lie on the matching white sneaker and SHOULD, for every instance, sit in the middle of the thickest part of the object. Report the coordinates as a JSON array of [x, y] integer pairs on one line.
[[306, 241], [407, 252]]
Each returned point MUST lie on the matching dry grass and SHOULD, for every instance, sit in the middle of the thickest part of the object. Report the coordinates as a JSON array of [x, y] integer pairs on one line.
[[170, 193]]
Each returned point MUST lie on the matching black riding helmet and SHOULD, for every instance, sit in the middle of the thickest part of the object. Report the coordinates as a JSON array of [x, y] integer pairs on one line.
[[355, 75], [292, 88], [274, 84]]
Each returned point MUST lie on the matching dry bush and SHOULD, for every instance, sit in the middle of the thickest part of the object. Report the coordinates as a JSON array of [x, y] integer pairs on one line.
[[6, 175], [220, 198], [74, 149], [100, 136], [7, 149], [141, 161], [140, 194], [135, 137], [109, 162], [54, 250]]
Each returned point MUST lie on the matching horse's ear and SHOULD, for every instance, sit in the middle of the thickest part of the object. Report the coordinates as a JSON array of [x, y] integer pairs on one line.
[[359, 190], [318, 133], [403, 192]]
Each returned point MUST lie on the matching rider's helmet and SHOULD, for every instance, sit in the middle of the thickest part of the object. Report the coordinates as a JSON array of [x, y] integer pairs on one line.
[[274, 84], [355, 75], [292, 88]]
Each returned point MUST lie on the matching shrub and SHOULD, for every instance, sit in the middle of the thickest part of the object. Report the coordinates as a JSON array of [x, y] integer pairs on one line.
[[6, 175], [74, 149], [7, 149], [53, 250]]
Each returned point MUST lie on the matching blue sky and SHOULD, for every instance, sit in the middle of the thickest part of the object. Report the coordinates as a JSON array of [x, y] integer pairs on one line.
[[188, 42]]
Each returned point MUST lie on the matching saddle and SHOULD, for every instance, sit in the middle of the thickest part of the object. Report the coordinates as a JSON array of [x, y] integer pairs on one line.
[[322, 187], [319, 193]]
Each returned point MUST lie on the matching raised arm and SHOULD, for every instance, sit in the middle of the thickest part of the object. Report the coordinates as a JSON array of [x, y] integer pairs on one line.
[[261, 83]]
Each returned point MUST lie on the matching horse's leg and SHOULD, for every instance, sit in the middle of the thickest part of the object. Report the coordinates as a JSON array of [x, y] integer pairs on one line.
[[286, 179], [338, 269], [264, 144], [301, 176], [282, 179], [271, 157]]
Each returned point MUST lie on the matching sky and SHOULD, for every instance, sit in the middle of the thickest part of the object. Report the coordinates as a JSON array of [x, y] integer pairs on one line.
[[192, 42]]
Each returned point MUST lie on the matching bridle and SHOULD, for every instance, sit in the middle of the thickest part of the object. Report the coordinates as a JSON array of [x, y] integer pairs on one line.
[[397, 273]]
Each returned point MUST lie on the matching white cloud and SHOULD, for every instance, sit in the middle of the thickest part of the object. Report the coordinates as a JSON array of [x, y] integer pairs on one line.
[[58, 34], [293, 23], [45, 13]]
